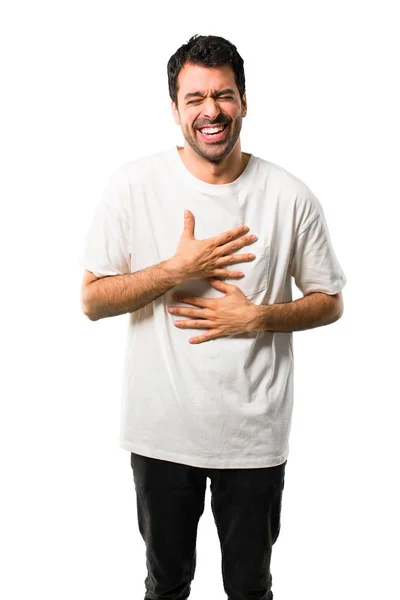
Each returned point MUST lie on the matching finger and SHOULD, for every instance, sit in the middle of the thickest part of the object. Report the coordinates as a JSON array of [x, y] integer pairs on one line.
[[189, 324], [195, 300], [188, 224], [226, 274], [222, 286], [232, 259], [231, 234], [198, 313], [214, 333], [236, 245]]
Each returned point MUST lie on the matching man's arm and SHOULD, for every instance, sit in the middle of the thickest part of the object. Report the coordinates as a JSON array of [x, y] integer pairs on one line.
[[120, 294], [113, 295], [234, 313], [313, 310]]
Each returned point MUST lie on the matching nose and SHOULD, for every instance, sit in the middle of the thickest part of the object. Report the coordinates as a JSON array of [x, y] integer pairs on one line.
[[210, 108]]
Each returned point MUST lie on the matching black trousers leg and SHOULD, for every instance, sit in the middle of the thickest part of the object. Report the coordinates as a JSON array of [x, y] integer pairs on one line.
[[170, 502], [246, 505]]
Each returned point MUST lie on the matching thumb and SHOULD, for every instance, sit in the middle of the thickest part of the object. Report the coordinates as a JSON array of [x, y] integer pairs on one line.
[[188, 224], [222, 286]]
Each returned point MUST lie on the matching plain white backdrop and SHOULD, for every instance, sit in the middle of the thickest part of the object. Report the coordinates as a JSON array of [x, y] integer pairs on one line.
[[85, 90]]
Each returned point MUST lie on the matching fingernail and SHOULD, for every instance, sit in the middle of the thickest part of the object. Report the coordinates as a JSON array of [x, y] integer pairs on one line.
[[254, 238]]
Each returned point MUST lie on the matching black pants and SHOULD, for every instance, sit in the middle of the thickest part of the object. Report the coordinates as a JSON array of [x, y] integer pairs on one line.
[[246, 504]]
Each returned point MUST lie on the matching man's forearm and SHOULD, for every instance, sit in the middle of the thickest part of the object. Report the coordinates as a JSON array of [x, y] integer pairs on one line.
[[120, 294], [313, 310]]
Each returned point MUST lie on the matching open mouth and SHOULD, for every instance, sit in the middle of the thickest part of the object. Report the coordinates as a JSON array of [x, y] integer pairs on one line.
[[213, 134]]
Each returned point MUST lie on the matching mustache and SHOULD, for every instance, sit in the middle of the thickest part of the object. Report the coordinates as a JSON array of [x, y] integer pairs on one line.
[[219, 121]]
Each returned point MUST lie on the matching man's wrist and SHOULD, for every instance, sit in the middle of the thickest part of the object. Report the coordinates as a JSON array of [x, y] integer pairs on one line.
[[280, 317], [260, 318], [313, 310], [174, 269]]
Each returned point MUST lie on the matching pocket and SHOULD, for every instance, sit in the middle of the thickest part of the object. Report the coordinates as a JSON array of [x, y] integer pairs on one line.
[[256, 271]]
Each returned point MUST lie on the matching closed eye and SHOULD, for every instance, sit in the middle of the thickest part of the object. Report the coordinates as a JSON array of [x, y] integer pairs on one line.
[[220, 98]]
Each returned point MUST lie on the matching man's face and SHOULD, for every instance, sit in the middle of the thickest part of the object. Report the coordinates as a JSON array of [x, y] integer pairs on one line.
[[209, 96]]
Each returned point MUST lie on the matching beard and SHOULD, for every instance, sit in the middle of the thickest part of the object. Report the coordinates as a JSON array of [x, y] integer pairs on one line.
[[217, 151]]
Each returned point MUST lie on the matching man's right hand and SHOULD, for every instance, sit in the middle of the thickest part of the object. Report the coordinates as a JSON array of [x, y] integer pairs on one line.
[[199, 259]]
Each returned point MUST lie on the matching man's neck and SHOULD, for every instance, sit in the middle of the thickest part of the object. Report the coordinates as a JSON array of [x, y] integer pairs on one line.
[[225, 171]]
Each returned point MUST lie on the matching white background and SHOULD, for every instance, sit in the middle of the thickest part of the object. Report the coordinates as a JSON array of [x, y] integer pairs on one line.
[[85, 90]]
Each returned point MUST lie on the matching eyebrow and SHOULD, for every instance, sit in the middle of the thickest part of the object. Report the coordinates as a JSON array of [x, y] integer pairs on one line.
[[215, 95]]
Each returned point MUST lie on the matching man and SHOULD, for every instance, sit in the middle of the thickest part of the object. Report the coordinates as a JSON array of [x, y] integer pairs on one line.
[[208, 375]]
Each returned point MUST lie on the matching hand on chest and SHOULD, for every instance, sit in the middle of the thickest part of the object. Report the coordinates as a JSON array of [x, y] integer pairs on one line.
[[212, 219]]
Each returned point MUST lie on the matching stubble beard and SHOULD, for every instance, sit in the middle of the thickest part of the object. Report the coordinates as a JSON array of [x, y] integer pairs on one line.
[[219, 151]]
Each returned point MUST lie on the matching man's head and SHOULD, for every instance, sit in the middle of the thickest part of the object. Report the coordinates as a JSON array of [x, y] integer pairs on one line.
[[207, 87]]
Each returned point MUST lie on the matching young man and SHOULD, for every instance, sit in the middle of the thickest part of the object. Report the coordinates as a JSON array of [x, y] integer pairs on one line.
[[208, 376]]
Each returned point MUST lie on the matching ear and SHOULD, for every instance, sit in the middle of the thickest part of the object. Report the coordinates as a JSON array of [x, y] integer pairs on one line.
[[244, 105], [175, 113]]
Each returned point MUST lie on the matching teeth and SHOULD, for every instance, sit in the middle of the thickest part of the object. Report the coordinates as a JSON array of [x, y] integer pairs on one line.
[[212, 129]]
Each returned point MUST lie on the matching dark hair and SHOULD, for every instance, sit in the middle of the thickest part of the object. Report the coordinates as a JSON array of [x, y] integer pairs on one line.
[[208, 51]]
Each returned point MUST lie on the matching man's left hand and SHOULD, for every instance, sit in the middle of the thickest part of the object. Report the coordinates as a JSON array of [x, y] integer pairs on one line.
[[228, 315]]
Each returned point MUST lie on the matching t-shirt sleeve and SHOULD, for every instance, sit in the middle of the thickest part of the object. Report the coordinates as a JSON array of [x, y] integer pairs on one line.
[[106, 248], [314, 264]]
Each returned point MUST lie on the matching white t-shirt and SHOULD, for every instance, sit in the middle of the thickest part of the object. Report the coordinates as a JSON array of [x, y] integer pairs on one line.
[[225, 403]]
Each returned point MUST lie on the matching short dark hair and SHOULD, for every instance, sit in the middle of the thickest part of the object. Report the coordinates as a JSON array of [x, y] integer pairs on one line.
[[208, 51]]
